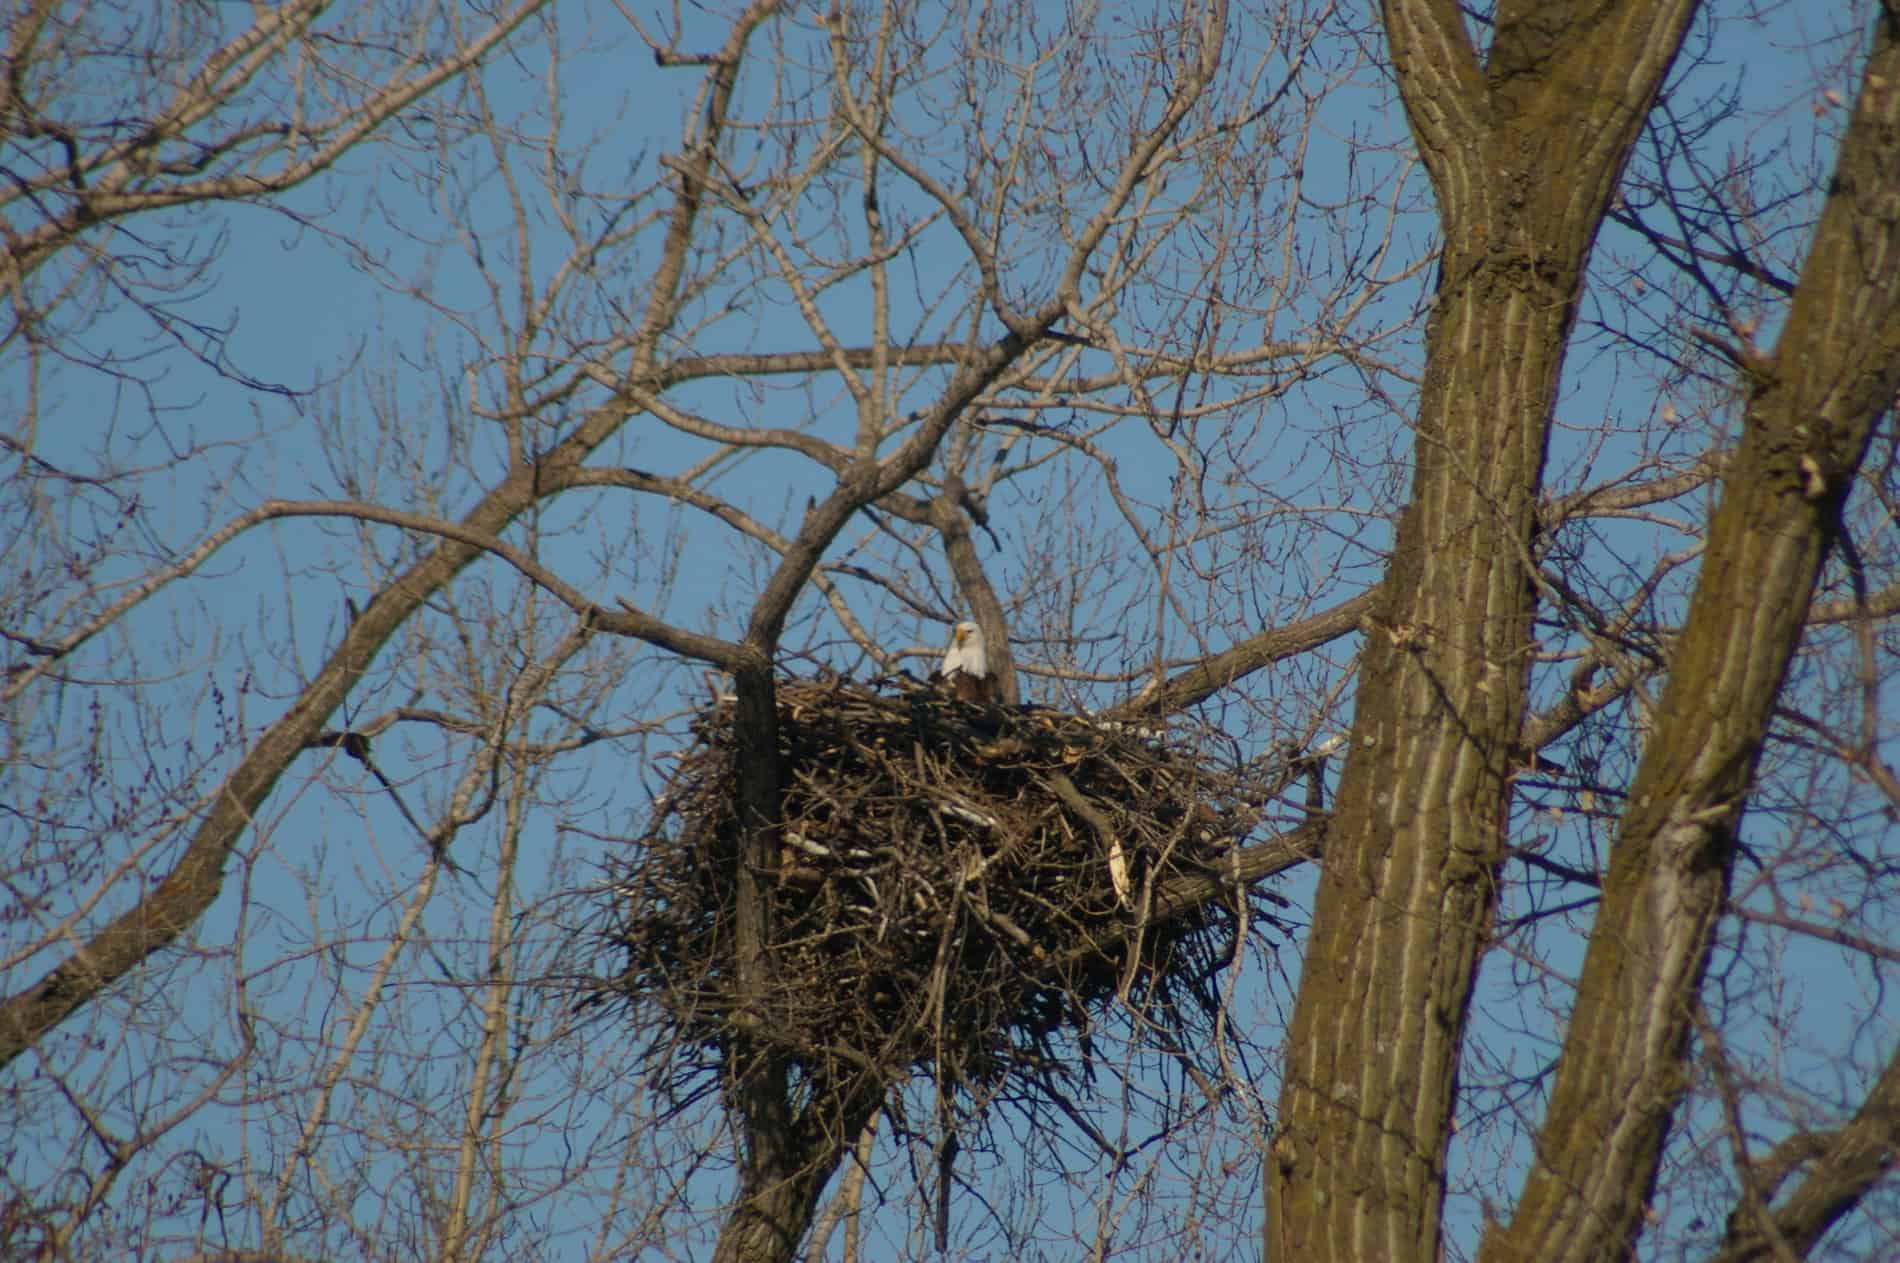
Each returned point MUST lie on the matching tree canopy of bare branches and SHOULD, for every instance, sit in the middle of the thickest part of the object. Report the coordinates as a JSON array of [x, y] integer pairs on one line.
[[1456, 441]]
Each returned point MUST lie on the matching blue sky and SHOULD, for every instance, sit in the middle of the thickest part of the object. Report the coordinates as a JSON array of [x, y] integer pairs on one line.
[[329, 873]]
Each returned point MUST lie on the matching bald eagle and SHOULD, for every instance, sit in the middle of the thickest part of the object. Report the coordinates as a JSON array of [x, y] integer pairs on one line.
[[966, 666]]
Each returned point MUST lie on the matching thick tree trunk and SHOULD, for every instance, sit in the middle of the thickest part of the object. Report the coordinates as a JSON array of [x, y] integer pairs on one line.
[[788, 1160], [1623, 1069], [787, 1167], [1523, 155], [788, 1152], [770, 1218]]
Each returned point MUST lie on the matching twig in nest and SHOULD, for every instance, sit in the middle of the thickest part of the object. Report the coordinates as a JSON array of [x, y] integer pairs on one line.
[[992, 926]]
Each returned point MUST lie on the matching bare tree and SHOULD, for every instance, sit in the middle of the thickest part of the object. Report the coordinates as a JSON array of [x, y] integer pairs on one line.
[[1419, 843], [1522, 436]]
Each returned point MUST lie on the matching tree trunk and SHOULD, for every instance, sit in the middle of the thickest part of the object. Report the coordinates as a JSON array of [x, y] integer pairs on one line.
[[1624, 1065], [787, 1165], [1523, 155]]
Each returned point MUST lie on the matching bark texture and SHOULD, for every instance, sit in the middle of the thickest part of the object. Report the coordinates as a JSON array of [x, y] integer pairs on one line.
[[1625, 1058], [1523, 155]]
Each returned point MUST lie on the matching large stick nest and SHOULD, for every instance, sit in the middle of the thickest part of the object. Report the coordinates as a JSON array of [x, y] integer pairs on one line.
[[943, 898]]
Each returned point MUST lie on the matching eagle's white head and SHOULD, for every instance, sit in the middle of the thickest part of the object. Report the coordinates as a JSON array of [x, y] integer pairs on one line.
[[966, 655]]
